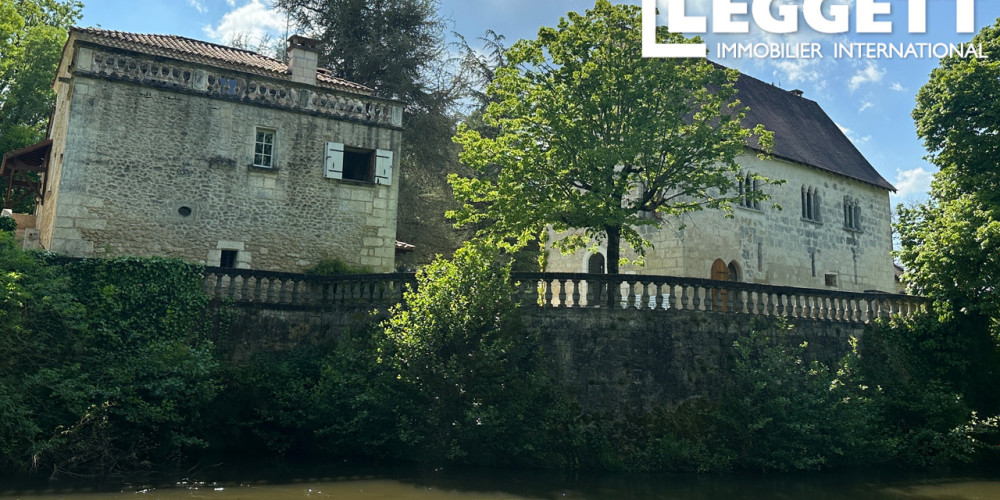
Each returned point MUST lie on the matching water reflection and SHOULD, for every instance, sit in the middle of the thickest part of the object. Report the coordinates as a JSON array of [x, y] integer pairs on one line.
[[468, 484]]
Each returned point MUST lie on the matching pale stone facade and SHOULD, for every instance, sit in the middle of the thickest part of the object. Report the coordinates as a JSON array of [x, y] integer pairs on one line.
[[823, 247], [174, 147]]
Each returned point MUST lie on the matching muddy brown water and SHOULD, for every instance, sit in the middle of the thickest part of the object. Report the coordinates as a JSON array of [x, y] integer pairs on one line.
[[468, 484]]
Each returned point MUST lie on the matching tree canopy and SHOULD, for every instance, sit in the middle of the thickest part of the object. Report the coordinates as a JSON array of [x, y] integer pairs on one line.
[[951, 243], [592, 137], [384, 44], [32, 33]]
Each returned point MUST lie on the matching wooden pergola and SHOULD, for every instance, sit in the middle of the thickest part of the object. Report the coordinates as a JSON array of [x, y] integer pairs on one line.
[[34, 158]]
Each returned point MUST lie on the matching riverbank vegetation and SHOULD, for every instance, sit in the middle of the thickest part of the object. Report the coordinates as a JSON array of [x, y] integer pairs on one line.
[[109, 371]]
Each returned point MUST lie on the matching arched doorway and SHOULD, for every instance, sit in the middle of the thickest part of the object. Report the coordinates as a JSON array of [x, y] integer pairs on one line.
[[720, 272], [734, 271], [596, 264]]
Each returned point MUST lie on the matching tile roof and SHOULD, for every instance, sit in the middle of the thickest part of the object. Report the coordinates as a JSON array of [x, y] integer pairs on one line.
[[803, 132], [197, 51]]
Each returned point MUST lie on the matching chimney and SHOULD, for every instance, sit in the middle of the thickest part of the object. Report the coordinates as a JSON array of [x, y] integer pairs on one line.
[[302, 59], [796, 92]]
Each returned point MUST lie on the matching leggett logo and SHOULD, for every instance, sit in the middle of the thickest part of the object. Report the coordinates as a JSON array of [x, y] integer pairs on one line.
[[837, 20]]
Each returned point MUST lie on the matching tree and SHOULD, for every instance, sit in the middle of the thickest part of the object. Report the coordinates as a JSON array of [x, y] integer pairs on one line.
[[32, 33], [384, 44], [951, 244], [592, 137]]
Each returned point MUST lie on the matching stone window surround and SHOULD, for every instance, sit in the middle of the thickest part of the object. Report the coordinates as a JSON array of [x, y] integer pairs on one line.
[[852, 214], [242, 256], [748, 183], [811, 202], [265, 141]]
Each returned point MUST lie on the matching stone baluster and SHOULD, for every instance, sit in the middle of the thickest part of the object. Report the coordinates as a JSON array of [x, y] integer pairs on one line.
[[216, 287], [697, 298], [781, 304], [270, 290], [576, 291], [658, 302], [561, 283], [547, 300], [258, 289]]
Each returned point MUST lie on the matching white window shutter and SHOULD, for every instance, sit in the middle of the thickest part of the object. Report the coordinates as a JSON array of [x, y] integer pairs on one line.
[[383, 167], [334, 162]]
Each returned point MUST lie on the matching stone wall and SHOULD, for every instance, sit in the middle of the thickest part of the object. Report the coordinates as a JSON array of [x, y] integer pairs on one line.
[[154, 157], [609, 358], [606, 358], [771, 245]]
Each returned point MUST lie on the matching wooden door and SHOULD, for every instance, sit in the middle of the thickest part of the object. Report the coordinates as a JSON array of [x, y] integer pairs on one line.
[[720, 272]]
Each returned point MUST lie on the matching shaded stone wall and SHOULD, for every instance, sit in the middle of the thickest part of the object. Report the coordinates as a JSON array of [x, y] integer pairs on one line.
[[607, 358]]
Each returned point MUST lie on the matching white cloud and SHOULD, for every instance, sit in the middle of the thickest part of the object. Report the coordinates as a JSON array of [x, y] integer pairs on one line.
[[916, 181], [232, 3], [198, 6], [870, 74], [852, 136], [797, 70], [865, 105], [253, 20], [897, 87]]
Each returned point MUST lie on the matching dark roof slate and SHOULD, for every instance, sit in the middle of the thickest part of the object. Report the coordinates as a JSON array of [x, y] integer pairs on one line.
[[803, 133], [197, 51]]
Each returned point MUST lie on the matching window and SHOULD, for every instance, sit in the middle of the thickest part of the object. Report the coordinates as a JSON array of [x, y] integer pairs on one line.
[[263, 149], [830, 279], [852, 214], [359, 165], [228, 258], [356, 164], [810, 203], [748, 187]]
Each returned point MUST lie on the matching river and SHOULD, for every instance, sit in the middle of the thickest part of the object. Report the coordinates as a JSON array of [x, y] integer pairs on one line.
[[468, 484]]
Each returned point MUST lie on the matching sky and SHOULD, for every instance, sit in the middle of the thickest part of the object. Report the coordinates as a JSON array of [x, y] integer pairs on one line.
[[869, 99]]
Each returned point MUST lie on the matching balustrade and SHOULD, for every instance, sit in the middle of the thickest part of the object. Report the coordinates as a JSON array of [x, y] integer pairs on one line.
[[655, 293]]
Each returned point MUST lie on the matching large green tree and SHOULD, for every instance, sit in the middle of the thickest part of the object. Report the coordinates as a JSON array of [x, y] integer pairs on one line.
[[387, 45], [593, 137], [951, 243], [32, 33]]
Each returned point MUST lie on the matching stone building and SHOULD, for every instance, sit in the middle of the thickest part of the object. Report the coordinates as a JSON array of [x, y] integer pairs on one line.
[[831, 232], [163, 145]]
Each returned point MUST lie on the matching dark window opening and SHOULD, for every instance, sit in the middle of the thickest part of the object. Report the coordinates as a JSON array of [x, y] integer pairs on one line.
[[184, 211], [734, 271], [228, 258], [595, 265], [830, 279], [359, 165]]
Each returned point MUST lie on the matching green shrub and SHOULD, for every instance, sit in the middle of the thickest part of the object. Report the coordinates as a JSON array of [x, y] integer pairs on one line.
[[8, 224], [474, 372], [105, 369]]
